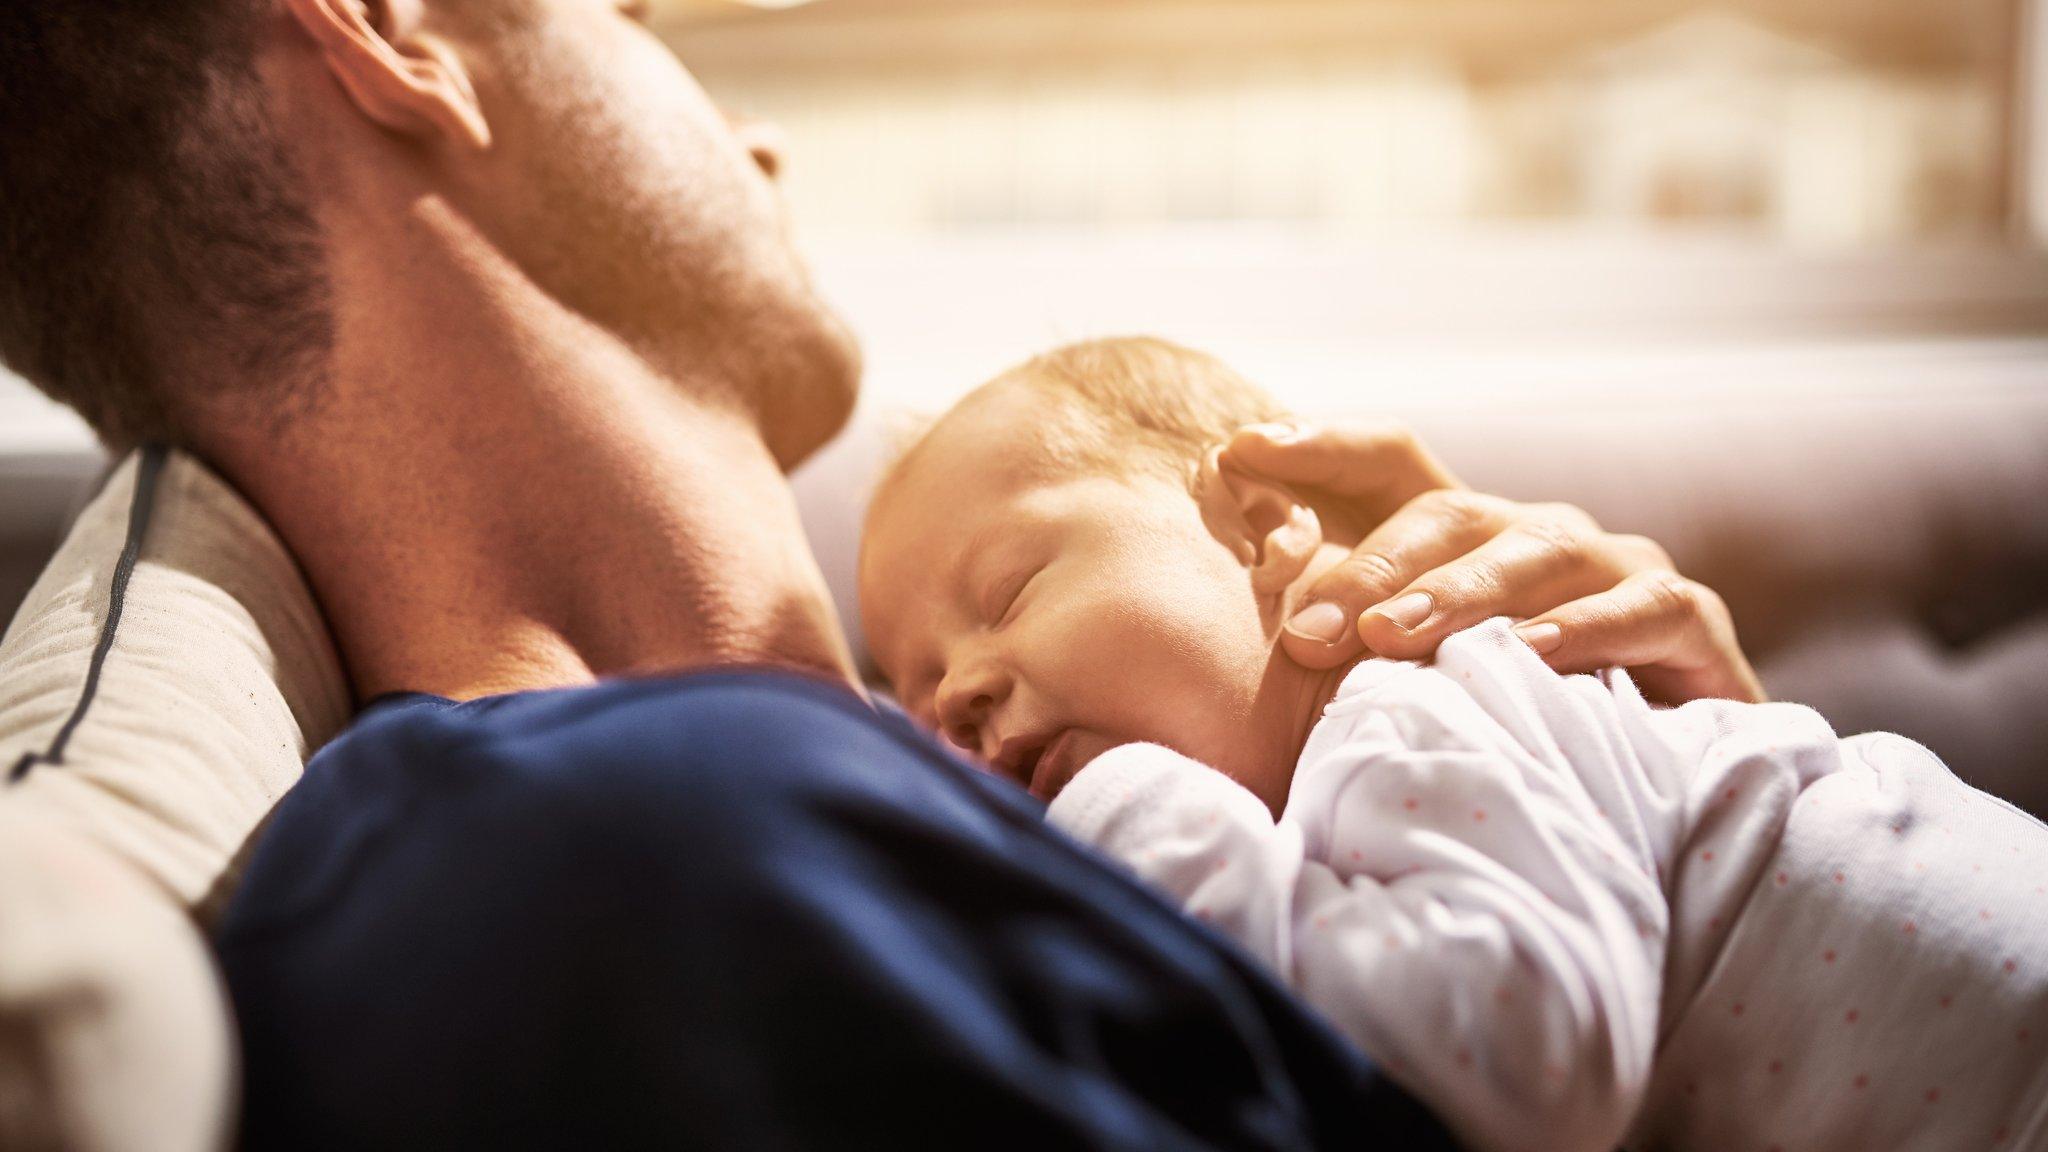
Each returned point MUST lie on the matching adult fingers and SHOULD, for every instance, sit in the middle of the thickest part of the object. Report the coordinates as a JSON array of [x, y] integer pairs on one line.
[[1674, 635], [1550, 555], [1378, 465], [1429, 531]]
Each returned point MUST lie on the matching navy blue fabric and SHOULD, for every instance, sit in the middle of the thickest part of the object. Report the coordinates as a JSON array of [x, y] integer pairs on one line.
[[737, 911]]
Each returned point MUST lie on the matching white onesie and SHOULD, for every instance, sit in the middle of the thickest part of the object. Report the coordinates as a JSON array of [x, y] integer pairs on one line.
[[1567, 919]]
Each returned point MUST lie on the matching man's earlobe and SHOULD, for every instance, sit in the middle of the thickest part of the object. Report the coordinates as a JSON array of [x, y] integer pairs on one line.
[[401, 78], [1274, 534]]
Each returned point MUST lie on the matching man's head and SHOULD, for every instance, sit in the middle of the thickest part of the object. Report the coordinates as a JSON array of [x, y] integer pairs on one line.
[[204, 197], [153, 238], [1064, 563]]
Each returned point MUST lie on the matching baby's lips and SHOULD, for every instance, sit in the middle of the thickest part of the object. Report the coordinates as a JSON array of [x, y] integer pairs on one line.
[[1073, 750]]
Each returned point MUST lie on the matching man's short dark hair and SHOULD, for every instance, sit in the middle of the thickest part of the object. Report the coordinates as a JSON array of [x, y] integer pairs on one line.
[[155, 247]]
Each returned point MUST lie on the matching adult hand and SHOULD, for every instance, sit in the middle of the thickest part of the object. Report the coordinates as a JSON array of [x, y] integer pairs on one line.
[[1443, 558]]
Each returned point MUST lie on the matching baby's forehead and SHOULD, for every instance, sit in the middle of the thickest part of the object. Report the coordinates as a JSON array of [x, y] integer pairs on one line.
[[1009, 438]]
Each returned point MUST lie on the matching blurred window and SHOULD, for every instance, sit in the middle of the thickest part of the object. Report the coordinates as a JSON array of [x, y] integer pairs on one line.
[[1815, 123]]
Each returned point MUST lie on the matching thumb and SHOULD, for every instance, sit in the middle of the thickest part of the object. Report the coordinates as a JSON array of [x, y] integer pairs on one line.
[[1324, 631], [1322, 635]]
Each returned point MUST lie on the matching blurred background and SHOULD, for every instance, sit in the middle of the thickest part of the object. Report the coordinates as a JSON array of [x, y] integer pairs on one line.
[[1762, 279], [1811, 123]]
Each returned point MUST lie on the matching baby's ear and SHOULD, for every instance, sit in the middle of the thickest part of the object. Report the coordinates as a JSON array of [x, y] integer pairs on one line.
[[1273, 533]]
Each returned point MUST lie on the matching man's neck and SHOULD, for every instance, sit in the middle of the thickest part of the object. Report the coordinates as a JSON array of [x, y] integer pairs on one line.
[[490, 494]]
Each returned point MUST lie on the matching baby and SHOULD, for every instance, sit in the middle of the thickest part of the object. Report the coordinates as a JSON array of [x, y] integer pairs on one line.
[[1564, 918]]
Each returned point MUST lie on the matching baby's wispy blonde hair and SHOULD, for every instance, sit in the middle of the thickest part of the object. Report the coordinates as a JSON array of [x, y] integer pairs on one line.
[[1147, 393], [1132, 404]]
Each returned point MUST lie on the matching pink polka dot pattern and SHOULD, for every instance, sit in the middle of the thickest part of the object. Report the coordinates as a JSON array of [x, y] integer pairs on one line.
[[1885, 1009]]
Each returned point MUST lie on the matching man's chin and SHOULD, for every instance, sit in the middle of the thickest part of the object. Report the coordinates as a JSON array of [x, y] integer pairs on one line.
[[817, 394]]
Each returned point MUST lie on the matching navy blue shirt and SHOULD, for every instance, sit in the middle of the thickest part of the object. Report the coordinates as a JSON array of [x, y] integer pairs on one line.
[[738, 910]]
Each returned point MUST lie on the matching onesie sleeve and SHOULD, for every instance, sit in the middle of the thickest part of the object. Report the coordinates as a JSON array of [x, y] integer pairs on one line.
[[1463, 914]]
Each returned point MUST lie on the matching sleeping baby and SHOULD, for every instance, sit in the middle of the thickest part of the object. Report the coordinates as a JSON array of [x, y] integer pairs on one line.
[[1562, 917]]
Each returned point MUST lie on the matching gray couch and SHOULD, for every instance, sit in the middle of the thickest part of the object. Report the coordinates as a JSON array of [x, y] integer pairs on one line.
[[1885, 555], [1884, 548]]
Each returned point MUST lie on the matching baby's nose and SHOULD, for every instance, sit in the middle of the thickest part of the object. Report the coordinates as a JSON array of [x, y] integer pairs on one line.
[[963, 719], [969, 734]]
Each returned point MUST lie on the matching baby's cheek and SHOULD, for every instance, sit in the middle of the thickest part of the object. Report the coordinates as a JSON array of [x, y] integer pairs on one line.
[[1187, 680]]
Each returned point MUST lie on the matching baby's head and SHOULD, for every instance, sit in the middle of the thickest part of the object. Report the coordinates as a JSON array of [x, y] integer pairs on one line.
[[1067, 562]]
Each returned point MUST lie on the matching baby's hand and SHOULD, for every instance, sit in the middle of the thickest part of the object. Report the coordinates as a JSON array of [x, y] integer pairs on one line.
[[1444, 558]]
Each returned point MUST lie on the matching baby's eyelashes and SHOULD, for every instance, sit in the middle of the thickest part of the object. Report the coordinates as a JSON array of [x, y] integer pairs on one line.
[[1002, 601]]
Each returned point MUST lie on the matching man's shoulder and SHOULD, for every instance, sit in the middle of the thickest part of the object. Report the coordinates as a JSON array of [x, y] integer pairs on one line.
[[418, 749], [620, 712], [621, 772]]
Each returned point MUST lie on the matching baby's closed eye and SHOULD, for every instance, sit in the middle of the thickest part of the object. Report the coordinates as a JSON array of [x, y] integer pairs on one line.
[[1006, 593]]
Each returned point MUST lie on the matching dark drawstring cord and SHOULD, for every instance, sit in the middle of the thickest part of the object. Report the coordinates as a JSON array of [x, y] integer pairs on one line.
[[147, 470]]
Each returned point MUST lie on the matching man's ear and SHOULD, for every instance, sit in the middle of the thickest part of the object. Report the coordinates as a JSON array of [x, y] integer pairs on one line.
[[1273, 533], [400, 77]]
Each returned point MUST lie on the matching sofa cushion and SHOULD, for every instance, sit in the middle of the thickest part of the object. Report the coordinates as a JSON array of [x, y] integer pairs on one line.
[[160, 689], [114, 1032], [217, 678]]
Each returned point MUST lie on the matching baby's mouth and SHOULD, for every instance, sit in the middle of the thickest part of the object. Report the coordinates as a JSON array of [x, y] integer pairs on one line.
[[1018, 757], [1055, 764], [1043, 763], [1029, 759]]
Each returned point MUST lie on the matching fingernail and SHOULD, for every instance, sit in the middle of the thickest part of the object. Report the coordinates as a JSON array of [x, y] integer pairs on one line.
[[1278, 433], [1324, 623], [1544, 638], [1408, 612]]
